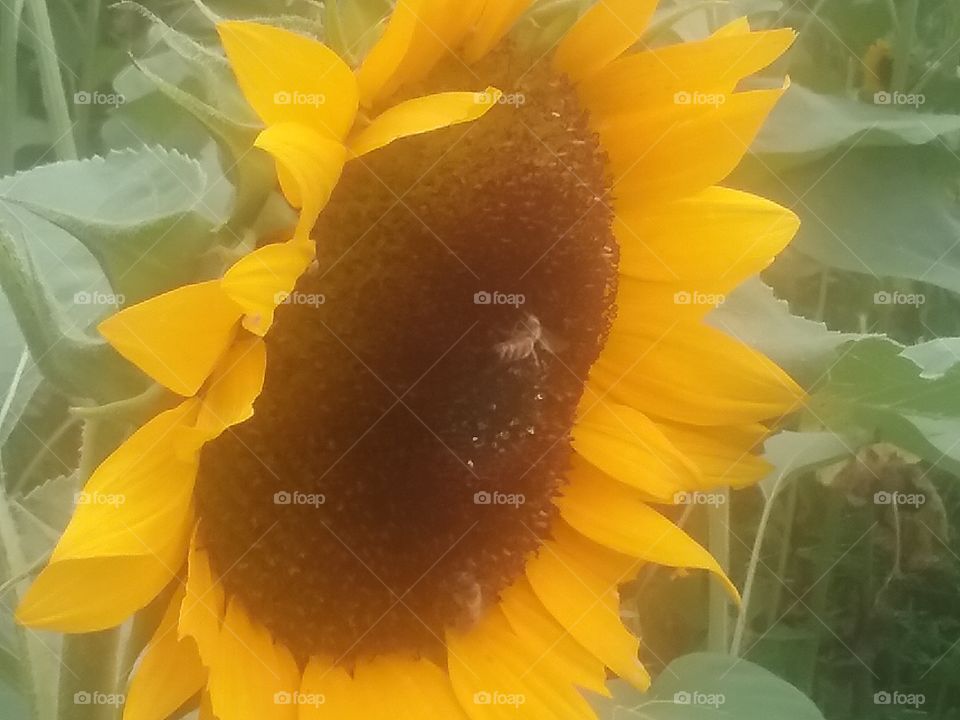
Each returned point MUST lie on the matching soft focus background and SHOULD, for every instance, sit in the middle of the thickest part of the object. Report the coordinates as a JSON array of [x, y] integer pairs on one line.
[[125, 170]]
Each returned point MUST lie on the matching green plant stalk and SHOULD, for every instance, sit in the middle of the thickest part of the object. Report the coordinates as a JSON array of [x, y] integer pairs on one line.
[[51, 81], [86, 82], [93, 658], [774, 604], [736, 645], [33, 652], [9, 32], [718, 632], [906, 36]]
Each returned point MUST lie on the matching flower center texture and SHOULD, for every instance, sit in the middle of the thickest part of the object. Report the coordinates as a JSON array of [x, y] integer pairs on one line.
[[422, 379]]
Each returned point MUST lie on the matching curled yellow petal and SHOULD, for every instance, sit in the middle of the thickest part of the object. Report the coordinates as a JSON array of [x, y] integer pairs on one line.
[[128, 534], [308, 166], [177, 337], [260, 281], [289, 78], [421, 115]]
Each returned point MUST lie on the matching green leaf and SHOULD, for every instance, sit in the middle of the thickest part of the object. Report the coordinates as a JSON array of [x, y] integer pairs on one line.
[[885, 212], [29, 528], [791, 452], [77, 365], [879, 386], [711, 686], [802, 347], [144, 214], [810, 124]]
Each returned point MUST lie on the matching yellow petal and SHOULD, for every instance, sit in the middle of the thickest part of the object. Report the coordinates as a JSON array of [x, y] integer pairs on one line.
[[327, 691], [289, 78], [264, 279], [128, 535], [681, 151], [251, 677], [681, 73], [308, 167], [627, 445], [737, 26], [234, 385], [494, 675], [421, 115], [556, 652], [419, 33], [608, 29], [719, 234], [494, 22], [613, 515], [694, 374], [586, 604], [169, 673], [401, 688], [177, 337], [203, 606], [726, 455]]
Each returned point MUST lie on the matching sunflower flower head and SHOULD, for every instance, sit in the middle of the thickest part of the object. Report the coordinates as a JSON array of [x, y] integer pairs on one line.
[[421, 443]]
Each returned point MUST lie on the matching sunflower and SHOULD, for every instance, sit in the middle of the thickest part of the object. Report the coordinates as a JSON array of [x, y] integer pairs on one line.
[[414, 459]]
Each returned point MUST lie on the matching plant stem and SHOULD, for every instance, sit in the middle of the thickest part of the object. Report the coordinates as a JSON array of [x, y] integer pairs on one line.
[[87, 79], [9, 32], [51, 81], [718, 634], [906, 34]]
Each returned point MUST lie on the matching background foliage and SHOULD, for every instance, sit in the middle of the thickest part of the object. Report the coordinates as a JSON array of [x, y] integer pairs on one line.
[[125, 170]]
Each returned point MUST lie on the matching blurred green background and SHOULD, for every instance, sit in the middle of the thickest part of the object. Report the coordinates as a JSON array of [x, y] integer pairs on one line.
[[124, 172]]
